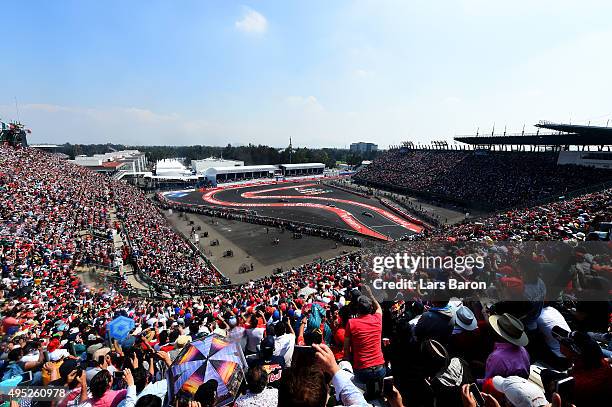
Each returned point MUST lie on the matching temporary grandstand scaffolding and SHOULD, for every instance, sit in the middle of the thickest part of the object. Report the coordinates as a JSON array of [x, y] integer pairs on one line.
[[14, 133]]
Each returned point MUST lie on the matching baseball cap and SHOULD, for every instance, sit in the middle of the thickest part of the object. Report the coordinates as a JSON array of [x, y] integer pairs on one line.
[[68, 366], [520, 392], [365, 304]]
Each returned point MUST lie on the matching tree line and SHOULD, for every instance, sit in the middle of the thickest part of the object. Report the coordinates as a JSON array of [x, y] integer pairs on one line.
[[250, 154]]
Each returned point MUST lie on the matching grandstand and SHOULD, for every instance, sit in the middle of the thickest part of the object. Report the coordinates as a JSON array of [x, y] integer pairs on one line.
[[497, 172], [57, 219]]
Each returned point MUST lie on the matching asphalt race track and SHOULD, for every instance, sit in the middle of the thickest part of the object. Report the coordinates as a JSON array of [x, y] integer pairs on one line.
[[305, 201]]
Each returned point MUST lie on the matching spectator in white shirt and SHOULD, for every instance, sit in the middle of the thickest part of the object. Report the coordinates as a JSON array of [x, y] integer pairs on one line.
[[254, 335], [258, 394], [284, 340], [548, 319]]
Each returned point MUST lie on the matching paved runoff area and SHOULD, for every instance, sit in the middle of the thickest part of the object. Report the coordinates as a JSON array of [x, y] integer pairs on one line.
[[252, 244]]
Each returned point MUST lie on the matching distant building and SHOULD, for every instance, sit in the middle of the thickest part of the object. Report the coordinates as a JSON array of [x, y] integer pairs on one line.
[[171, 167], [363, 148], [217, 175], [200, 166], [127, 161], [292, 170]]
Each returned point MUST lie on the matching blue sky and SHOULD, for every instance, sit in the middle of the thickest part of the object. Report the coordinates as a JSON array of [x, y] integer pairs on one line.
[[326, 73]]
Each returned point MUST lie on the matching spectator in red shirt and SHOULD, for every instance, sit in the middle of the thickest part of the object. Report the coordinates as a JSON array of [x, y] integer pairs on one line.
[[591, 372], [339, 331], [363, 341]]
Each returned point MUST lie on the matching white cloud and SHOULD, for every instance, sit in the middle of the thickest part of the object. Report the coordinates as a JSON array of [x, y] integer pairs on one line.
[[362, 73], [130, 125], [451, 100], [46, 107], [309, 103], [252, 22]]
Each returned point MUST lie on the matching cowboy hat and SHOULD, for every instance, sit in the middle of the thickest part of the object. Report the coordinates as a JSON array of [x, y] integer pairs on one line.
[[509, 328], [464, 317]]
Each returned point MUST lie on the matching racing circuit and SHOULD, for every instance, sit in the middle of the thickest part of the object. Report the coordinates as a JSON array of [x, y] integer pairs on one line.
[[308, 202]]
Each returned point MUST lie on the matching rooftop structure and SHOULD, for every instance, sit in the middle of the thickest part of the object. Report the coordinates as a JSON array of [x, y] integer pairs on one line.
[[200, 166], [127, 161], [14, 133], [302, 169], [171, 167], [222, 174]]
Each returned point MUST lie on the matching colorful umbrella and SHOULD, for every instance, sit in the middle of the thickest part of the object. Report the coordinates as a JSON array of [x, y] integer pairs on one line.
[[120, 327], [213, 357]]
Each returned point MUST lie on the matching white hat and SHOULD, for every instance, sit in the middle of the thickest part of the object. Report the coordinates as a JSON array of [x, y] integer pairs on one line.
[[58, 354], [182, 340], [520, 392]]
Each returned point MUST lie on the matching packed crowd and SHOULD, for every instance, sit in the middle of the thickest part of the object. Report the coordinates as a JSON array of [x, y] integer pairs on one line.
[[48, 212], [159, 252], [581, 218], [415, 169], [309, 334], [496, 180]]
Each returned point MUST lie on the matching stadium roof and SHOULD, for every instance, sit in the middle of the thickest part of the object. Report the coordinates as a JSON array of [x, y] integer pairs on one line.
[[44, 146], [112, 164], [569, 135], [169, 164], [220, 160], [576, 128]]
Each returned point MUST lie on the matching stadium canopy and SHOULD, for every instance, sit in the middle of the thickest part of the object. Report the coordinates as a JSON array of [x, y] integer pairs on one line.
[[567, 135], [577, 129], [301, 169]]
